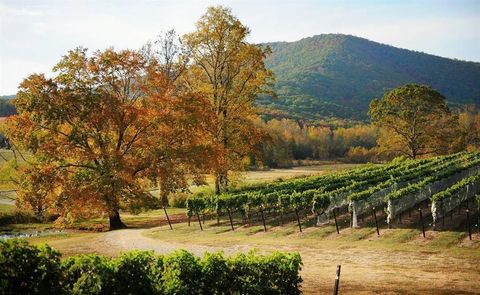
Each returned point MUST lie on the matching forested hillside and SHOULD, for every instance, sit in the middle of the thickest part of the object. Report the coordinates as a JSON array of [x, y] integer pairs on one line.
[[6, 106], [337, 75]]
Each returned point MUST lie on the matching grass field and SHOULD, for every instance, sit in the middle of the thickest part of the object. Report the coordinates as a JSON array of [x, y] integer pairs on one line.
[[399, 261]]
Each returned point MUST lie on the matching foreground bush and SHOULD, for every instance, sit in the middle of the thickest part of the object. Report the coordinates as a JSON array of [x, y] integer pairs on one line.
[[26, 269]]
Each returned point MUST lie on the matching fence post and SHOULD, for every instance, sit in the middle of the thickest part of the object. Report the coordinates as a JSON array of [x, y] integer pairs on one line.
[[298, 219], [335, 218], [230, 217], [468, 225], [263, 219], [168, 218], [199, 221], [421, 221], [376, 222], [337, 280]]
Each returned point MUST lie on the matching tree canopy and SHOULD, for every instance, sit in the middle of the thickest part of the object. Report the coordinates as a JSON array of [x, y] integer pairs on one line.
[[102, 131], [231, 73], [414, 119]]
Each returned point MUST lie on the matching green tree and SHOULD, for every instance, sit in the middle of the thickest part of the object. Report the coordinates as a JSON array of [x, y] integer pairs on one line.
[[412, 118]]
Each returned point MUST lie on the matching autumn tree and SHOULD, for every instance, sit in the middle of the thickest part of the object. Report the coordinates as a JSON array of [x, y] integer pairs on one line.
[[231, 72], [102, 131], [414, 120]]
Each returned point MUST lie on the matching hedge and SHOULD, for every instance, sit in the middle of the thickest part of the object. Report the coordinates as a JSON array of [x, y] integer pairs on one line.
[[27, 269]]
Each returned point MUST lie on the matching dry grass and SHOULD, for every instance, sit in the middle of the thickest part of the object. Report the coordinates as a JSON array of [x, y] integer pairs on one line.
[[400, 261]]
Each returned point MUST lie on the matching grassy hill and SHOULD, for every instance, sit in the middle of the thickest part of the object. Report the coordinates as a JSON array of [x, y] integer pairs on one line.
[[337, 75]]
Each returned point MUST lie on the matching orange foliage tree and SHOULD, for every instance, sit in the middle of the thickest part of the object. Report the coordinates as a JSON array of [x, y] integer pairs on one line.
[[103, 131]]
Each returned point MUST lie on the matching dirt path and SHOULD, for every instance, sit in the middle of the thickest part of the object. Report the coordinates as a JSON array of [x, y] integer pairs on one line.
[[129, 239], [364, 271]]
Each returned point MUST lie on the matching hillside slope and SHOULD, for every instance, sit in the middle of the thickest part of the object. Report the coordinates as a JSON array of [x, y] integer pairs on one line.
[[337, 75]]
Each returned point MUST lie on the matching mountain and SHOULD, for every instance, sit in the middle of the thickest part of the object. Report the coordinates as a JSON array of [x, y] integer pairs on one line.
[[332, 76], [337, 75]]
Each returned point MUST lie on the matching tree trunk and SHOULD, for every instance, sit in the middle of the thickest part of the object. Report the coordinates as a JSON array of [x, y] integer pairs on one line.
[[162, 195], [115, 221], [217, 185], [221, 183]]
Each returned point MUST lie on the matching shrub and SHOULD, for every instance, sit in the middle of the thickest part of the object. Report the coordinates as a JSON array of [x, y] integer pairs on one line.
[[274, 274], [182, 274], [178, 200], [137, 272], [216, 274], [89, 274], [26, 269]]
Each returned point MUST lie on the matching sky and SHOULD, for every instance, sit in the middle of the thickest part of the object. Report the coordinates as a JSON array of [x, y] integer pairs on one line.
[[34, 35]]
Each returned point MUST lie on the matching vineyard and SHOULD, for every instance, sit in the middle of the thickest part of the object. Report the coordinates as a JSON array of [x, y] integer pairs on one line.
[[397, 187]]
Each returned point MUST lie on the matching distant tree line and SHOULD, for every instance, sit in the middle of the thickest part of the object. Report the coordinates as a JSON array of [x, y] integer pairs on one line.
[[7, 108]]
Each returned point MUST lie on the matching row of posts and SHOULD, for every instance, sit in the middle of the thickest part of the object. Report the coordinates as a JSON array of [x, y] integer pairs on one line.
[[352, 220]]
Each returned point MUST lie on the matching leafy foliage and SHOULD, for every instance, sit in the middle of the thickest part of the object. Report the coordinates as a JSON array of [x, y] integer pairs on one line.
[[321, 193], [26, 269], [231, 73], [102, 131], [414, 117], [38, 270]]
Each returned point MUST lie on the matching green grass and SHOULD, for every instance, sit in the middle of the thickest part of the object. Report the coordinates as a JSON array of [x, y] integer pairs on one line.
[[6, 209], [312, 237]]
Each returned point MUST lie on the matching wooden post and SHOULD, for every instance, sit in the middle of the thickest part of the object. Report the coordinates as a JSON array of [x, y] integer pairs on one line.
[[443, 215], [468, 225], [230, 217], [189, 218], [263, 219], [337, 280], [351, 219], [376, 222], [421, 221], [298, 219], [199, 221], [203, 218], [478, 214], [168, 218], [335, 218]]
